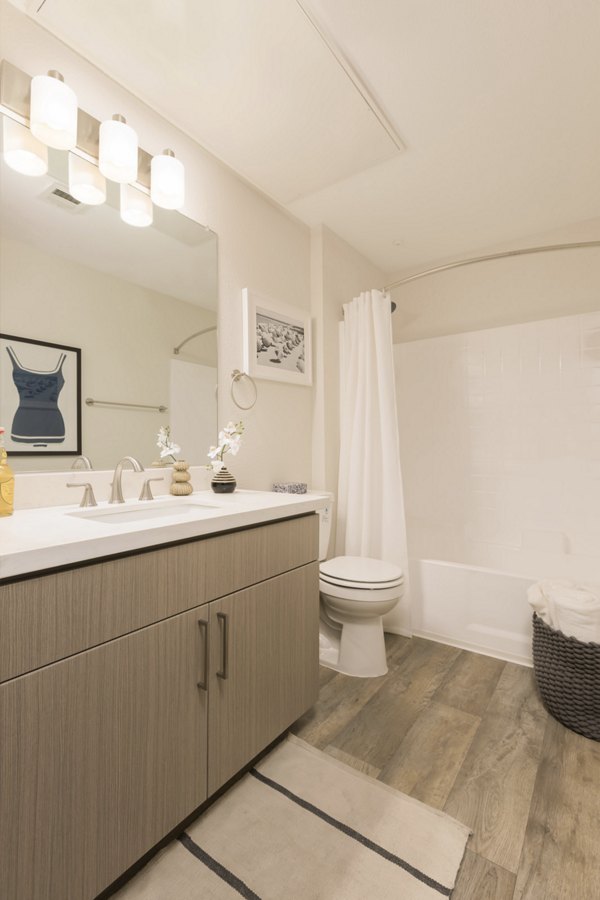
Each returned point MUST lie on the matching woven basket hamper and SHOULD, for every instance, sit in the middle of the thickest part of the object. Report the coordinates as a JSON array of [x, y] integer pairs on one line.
[[567, 672]]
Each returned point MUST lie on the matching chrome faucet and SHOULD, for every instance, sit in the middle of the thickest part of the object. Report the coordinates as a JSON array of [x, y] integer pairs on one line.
[[116, 494]]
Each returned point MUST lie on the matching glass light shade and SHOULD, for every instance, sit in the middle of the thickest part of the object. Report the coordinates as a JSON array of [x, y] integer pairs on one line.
[[21, 150], [118, 151], [86, 183], [167, 181], [136, 207], [53, 112]]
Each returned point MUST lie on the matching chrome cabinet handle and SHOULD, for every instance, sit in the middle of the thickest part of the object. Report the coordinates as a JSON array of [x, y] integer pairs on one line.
[[203, 684], [224, 671]]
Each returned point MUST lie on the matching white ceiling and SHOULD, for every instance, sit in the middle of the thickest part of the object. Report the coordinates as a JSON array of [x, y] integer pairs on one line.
[[497, 103]]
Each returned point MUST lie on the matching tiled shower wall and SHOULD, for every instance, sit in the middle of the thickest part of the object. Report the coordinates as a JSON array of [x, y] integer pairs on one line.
[[500, 447]]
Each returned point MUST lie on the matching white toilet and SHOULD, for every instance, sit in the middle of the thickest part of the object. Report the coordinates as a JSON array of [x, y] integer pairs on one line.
[[356, 592]]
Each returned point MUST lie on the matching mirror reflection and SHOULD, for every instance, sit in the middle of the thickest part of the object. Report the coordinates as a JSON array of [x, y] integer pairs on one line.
[[78, 277]]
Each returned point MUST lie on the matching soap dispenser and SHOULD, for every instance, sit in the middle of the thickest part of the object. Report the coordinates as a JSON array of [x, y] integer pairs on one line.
[[7, 481]]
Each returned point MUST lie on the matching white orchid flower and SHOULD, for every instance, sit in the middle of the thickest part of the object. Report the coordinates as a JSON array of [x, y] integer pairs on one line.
[[170, 450], [229, 442], [166, 445]]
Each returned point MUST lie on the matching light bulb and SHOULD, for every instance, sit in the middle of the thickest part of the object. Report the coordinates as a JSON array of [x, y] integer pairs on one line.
[[136, 207], [86, 183], [118, 151], [167, 181], [53, 111], [21, 150]]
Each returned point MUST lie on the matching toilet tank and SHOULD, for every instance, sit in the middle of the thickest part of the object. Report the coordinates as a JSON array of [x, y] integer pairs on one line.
[[325, 519]]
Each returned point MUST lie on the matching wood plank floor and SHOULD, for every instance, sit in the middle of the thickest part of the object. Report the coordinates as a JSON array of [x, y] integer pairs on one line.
[[467, 734]]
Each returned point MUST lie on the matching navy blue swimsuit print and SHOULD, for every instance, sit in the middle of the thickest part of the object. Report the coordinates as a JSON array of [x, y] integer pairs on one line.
[[38, 419]]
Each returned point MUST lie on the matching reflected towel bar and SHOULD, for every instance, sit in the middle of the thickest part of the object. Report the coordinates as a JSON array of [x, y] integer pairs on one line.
[[90, 402]]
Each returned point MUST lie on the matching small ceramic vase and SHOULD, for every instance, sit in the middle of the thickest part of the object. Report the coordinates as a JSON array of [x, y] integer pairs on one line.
[[180, 483], [223, 482]]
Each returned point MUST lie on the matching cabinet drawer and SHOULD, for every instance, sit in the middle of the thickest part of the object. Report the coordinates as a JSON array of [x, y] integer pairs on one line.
[[48, 618]]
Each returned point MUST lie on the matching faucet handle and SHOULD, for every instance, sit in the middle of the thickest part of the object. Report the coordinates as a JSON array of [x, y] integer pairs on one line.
[[88, 498], [146, 492]]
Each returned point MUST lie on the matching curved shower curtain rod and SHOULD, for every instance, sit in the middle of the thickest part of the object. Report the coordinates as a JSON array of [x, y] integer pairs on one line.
[[191, 338], [477, 259]]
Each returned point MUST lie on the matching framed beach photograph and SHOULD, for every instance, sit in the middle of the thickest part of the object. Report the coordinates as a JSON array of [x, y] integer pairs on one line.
[[40, 397], [277, 343]]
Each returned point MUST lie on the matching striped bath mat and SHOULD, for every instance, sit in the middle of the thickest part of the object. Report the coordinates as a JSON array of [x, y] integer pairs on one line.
[[304, 826]]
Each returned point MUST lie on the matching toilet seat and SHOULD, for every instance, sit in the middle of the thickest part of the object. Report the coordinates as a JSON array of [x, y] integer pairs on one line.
[[356, 573], [361, 585], [360, 596]]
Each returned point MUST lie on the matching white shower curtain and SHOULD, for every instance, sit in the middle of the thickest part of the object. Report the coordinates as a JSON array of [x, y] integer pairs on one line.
[[370, 511]]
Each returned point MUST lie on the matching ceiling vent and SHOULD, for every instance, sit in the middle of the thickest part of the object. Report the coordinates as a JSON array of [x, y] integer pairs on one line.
[[63, 195], [60, 198]]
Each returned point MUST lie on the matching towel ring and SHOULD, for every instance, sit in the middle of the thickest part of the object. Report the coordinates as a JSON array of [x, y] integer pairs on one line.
[[235, 376]]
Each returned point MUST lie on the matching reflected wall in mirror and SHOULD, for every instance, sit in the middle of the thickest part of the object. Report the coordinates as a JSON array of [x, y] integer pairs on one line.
[[77, 275]]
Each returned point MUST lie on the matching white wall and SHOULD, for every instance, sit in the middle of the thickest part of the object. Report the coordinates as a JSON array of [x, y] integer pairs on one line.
[[500, 447], [259, 247], [126, 334], [193, 407]]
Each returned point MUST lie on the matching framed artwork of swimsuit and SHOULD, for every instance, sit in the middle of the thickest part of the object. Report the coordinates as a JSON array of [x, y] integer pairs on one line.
[[40, 397]]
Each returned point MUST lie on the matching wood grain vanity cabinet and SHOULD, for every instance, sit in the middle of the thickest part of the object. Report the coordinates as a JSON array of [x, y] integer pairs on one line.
[[117, 722]]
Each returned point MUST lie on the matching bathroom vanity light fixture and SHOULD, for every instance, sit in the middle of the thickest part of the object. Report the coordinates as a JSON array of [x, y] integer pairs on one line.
[[135, 206], [167, 181], [53, 111], [86, 182], [42, 112], [118, 150], [23, 152]]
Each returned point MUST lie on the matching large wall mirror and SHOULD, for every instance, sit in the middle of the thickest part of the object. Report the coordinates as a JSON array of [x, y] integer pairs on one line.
[[77, 276]]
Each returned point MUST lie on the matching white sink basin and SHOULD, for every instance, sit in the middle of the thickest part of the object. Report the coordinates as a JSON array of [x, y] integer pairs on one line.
[[118, 515]]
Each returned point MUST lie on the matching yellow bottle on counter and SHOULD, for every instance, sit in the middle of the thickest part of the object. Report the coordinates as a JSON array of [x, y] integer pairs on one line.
[[7, 483]]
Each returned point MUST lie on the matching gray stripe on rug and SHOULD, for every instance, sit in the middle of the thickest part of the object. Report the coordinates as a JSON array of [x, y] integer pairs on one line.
[[355, 835], [218, 868]]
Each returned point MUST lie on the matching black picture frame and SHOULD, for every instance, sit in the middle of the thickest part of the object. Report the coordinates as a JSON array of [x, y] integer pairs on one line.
[[32, 397]]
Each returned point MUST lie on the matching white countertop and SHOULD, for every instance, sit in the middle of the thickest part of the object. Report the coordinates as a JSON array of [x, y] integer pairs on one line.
[[33, 540]]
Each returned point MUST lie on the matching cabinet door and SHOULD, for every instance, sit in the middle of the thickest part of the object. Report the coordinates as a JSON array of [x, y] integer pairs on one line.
[[264, 653], [100, 756]]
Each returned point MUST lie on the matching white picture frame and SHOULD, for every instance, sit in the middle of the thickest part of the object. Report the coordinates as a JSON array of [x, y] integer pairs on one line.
[[277, 340]]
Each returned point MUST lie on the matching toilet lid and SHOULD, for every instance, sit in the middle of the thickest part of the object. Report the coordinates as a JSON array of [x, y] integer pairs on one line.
[[360, 571]]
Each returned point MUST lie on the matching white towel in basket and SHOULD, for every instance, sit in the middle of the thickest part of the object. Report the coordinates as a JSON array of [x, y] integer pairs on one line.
[[571, 608]]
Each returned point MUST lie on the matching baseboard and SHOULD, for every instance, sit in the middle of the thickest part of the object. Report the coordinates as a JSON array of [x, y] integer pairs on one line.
[[517, 658], [393, 629]]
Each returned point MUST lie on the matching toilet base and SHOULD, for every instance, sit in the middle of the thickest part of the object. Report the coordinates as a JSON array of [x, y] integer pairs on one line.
[[356, 649]]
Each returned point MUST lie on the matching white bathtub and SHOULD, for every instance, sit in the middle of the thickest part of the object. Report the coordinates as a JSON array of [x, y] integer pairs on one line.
[[470, 607]]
